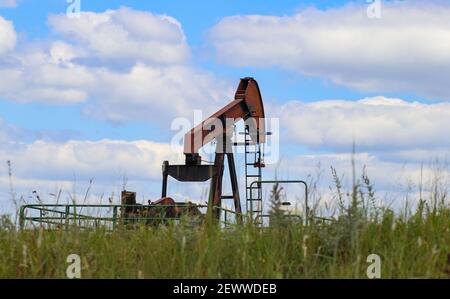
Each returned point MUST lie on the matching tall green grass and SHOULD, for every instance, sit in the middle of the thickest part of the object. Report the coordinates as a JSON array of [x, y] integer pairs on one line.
[[411, 244], [409, 248]]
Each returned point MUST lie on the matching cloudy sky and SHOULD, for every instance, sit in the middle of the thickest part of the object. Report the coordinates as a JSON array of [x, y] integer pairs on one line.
[[92, 95]]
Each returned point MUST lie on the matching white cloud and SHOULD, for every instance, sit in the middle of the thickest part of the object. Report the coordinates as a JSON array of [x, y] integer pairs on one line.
[[157, 94], [126, 34], [377, 123], [45, 75], [386, 175], [125, 65], [395, 183], [406, 50], [46, 159], [7, 36], [8, 3], [102, 160], [121, 64], [48, 166]]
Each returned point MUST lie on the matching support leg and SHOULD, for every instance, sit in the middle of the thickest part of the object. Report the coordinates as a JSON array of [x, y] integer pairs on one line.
[[164, 183], [234, 186], [216, 185]]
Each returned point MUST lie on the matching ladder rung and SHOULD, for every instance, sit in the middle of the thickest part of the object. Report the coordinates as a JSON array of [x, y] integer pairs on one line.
[[252, 153], [256, 165], [227, 197], [240, 143], [249, 134]]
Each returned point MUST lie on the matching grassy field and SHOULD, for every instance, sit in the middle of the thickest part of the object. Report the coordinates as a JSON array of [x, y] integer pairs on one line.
[[411, 243], [416, 247]]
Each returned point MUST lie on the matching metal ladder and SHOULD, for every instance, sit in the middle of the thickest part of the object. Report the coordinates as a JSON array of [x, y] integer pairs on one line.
[[253, 172]]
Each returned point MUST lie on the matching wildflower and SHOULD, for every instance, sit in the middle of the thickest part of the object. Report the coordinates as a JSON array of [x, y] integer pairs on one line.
[[304, 247], [39, 238], [419, 241], [24, 255], [183, 242], [140, 275]]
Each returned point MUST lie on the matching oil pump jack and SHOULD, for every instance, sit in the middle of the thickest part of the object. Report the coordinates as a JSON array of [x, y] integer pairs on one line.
[[248, 106]]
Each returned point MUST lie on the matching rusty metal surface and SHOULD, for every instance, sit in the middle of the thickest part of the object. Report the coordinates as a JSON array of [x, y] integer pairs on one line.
[[247, 105], [158, 212], [190, 173]]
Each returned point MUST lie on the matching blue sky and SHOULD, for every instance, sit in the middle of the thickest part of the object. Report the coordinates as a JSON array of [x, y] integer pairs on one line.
[[30, 19], [105, 86]]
